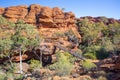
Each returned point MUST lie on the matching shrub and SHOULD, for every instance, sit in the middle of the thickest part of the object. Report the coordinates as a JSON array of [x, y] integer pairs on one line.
[[19, 77], [99, 37], [3, 20], [102, 78], [102, 53], [90, 55], [2, 75], [59, 34], [87, 64], [69, 57], [10, 75], [63, 66], [35, 64]]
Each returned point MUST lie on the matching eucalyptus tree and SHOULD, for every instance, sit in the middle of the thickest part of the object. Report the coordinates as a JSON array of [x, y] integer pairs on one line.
[[6, 31], [25, 38], [114, 35], [94, 37]]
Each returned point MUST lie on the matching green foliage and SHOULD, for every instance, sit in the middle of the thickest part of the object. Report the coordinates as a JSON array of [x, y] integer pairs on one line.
[[63, 65], [5, 37], [102, 78], [34, 64], [69, 57], [5, 46], [3, 77], [90, 31], [90, 55], [7, 72], [96, 52], [108, 45], [87, 64], [6, 24], [9, 75], [15, 36], [99, 38], [59, 34], [19, 77], [2, 20], [25, 36], [102, 53]]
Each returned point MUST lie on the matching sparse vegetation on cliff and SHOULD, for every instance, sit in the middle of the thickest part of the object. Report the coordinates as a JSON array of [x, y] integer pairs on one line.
[[96, 39]]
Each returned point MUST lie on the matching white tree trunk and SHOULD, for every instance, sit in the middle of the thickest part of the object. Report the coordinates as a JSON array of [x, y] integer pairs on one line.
[[21, 62], [41, 57]]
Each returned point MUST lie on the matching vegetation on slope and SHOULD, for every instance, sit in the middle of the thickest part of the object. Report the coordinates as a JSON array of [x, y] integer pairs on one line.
[[99, 40]]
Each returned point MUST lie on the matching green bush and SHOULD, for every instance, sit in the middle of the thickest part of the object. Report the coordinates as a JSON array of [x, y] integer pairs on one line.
[[10, 75], [59, 34], [35, 64], [102, 53], [3, 20], [87, 64], [63, 66], [90, 55], [19, 77], [99, 38], [102, 78], [2, 75]]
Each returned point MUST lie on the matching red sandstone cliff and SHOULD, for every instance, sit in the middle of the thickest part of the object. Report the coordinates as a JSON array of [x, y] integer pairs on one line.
[[47, 19], [39, 15]]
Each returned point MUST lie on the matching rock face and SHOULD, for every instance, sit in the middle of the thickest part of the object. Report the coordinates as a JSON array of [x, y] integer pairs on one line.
[[33, 12], [47, 20], [111, 64], [39, 15], [50, 22], [14, 13], [1, 11]]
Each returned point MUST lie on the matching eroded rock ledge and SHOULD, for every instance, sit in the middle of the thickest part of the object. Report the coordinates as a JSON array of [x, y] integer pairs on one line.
[[47, 20], [39, 15]]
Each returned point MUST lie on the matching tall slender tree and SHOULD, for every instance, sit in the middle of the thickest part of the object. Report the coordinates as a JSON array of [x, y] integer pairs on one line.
[[25, 37]]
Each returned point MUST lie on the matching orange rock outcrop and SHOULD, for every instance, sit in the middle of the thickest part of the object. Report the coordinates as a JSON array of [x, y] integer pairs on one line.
[[48, 21], [41, 16]]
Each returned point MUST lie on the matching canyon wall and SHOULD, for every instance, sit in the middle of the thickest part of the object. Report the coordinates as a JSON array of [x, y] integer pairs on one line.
[[47, 20], [39, 15]]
